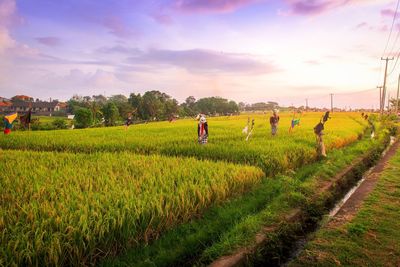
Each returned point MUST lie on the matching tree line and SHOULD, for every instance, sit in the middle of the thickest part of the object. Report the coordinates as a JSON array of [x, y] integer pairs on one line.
[[153, 105]]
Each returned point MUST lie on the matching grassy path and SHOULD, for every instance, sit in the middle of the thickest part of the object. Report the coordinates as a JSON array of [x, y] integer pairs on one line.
[[369, 237]]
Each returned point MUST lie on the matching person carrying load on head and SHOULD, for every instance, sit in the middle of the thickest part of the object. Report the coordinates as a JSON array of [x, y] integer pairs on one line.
[[274, 120], [319, 132], [202, 130]]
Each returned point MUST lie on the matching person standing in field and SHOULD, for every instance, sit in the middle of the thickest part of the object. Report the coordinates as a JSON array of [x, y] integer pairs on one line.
[[274, 120], [202, 130]]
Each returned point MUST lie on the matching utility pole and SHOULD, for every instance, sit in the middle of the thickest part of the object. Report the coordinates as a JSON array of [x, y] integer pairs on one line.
[[384, 84], [397, 98], [306, 104], [331, 103], [380, 97]]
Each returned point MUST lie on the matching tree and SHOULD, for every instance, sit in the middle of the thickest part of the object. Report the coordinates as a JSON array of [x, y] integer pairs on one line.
[[242, 106], [111, 114], [152, 107], [123, 105], [100, 99], [83, 118], [118, 99], [136, 102], [95, 107]]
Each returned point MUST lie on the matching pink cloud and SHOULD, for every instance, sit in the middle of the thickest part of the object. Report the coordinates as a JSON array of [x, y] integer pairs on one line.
[[205, 61], [312, 62], [388, 13], [7, 18], [118, 28], [210, 6], [162, 18], [317, 7], [362, 25], [49, 40]]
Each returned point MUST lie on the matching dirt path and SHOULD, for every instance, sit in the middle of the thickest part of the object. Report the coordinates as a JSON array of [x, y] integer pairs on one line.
[[353, 204]]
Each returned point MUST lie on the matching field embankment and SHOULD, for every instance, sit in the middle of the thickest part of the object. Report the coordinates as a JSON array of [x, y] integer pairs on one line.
[[367, 237]]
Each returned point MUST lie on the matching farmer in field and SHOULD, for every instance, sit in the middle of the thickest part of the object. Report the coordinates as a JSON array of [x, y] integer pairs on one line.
[[202, 130], [274, 120]]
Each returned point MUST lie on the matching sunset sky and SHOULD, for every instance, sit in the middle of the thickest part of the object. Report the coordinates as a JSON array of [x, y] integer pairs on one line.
[[245, 50]]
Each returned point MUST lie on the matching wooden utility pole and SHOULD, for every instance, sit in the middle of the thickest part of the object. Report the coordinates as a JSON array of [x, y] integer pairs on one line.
[[306, 104], [384, 84], [331, 103], [380, 97], [397, 98]]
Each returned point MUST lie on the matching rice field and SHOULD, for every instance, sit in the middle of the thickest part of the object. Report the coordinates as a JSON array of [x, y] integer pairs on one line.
[[71, 197], [63, 208], [286, 151]]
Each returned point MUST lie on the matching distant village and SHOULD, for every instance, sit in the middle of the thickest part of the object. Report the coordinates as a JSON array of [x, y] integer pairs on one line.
[[22, 103]]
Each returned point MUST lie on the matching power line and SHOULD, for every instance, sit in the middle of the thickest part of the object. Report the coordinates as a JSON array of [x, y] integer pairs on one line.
[[384, 83], [391, 28]]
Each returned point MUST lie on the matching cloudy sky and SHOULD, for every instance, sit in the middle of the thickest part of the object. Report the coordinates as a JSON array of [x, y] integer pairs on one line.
[[245, 50]]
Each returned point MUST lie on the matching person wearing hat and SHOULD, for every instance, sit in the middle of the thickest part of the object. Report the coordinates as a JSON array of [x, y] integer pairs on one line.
[[274, 120], [202, 130]]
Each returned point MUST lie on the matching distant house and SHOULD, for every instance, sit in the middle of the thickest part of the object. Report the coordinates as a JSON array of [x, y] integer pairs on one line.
[[38, 107], [5, 106], [22, 98], [3, 99]]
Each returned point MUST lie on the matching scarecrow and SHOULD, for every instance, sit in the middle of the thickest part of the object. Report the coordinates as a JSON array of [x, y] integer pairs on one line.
[[319, 132], [8, 122], [202, 130], [274, 120]]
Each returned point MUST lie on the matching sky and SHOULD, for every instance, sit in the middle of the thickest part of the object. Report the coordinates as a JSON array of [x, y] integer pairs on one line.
[[244, 50]]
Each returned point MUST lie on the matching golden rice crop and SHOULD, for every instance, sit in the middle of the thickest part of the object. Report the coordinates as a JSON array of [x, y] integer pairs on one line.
[[226, 142], [64, 208]]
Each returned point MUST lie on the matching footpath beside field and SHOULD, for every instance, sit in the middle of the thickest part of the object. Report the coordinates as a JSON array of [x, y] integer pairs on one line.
[[365, 232]]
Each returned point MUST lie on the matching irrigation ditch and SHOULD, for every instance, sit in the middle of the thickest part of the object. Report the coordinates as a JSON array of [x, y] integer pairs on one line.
[[277, 245]]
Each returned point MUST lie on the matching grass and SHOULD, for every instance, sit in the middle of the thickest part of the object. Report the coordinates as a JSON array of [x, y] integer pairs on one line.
[[371, 238]]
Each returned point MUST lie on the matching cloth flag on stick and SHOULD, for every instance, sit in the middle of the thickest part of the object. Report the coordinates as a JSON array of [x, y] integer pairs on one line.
[[295, 121], [8, 122], [251, 130]]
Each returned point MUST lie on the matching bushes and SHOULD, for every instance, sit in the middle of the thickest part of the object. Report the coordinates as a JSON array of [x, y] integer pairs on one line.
[[83, 118]]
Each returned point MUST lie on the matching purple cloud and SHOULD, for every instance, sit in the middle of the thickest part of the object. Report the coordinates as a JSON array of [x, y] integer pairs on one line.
[[210, 6], [118, 49], [361, 25], [162, 18], [118, 28], [317, 7], [205, 61], [388, 13], [49, 40]]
